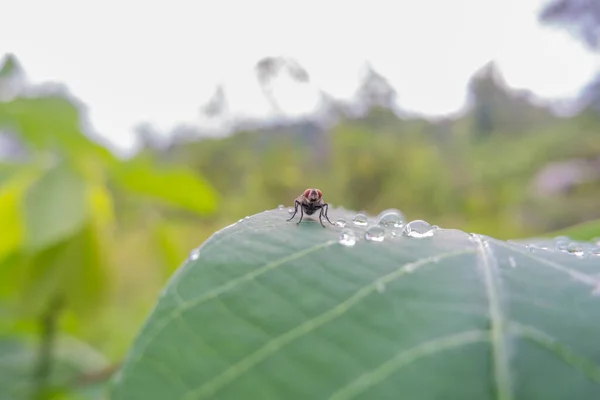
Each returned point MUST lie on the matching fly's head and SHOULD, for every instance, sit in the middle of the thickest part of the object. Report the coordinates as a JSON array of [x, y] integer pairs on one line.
[[312, 196]]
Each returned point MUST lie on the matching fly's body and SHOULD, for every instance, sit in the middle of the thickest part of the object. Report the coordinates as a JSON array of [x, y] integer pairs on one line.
[[309, 203]]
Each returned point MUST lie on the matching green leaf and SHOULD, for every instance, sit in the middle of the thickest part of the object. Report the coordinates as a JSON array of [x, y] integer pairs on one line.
[[172, 186], [72, 359], [269, 309], [73, 269], [12, 192], [55, 207]]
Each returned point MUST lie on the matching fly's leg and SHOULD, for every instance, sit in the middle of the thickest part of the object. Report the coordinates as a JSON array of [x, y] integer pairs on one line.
[[296, 204], [321, 217], [324, 212], [301, 214]]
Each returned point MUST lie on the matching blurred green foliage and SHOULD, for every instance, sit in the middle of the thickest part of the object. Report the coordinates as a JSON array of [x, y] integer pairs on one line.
[[88, 239]]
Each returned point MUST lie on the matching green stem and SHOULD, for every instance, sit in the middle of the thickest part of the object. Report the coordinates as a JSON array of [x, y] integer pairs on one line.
[[48, 324]]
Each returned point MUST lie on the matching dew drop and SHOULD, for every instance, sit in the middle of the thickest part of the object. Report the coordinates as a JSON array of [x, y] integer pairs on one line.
[[561, 244], [418, 229], [290, 210], [360, 220], [347, 238], [512, 262], [380, 287], [375, 234], [280, 207], [194, 254], [575, 249], [391, 218], [340, 223]]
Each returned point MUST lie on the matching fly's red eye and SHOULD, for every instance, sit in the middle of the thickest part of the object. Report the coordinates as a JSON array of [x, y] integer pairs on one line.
[[319, 193], [307, 193]]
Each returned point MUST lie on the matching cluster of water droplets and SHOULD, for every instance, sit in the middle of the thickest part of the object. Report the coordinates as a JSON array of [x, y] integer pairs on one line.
[[388, 224], [564, 244]]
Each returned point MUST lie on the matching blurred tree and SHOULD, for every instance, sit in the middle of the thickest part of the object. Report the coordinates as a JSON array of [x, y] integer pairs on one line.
[[269, 69], [581, 17], [12, 77], [375, 91], [496, 108], [217, 104]]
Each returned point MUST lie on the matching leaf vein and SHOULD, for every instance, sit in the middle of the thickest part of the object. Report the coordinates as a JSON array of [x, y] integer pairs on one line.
[[177, 312], [498, 326], [578, 276], [408, 357], [584, 365], [212, 386]]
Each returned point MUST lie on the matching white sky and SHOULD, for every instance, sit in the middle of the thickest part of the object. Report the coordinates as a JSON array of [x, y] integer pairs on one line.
[[158, 61]]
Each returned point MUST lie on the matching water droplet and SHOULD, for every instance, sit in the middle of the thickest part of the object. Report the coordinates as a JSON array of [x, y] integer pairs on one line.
[[391, 218], [375, 234], [561, 244], [380, 287], [340, 222], [194, 254], [280, 207], [418, 229], [347, 238], [360, 220], [575, 249], [290, 210], [512, 262]]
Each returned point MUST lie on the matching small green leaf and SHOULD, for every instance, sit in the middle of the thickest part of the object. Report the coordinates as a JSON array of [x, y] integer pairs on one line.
[[12, 192], [269, 309], [55, 208], [74, 269], [172, 186]]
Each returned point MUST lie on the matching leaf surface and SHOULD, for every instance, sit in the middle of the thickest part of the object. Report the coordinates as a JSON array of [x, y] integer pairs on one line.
[[55, 208], [269, 309]]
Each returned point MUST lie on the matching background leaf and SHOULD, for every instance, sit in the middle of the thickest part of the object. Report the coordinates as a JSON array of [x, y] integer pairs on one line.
[[173, 186], [12, 192], [269, 309], [55, 207]]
